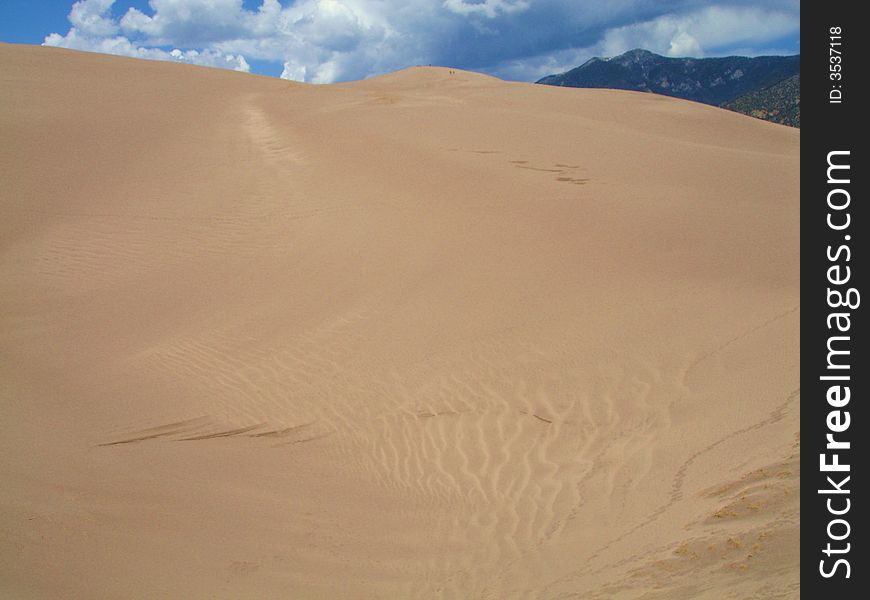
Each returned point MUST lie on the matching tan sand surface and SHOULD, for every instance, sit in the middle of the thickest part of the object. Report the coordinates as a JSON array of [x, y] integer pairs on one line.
[[430, 335]]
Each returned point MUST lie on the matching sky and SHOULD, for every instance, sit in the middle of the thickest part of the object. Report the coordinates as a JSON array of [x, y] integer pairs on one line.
[[324, 41]]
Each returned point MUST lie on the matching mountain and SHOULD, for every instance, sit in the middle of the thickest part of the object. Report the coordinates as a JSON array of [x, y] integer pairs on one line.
[[713, 81], [780, 102]]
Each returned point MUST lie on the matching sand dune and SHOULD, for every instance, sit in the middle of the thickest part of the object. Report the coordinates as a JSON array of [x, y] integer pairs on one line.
[[430, 335]]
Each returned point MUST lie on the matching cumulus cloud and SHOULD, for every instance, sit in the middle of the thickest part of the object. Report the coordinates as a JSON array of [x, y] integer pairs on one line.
[[333, 40], [693, 33], [94, 29], [488, 8], [90, 18]]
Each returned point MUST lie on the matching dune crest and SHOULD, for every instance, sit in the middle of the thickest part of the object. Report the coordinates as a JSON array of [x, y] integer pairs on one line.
[[430, 335]]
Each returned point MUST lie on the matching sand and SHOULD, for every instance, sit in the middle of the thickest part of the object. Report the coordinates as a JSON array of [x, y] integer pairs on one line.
[[430, 335]]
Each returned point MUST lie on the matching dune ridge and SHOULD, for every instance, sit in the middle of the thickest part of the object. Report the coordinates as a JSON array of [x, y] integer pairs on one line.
[[428, 335]]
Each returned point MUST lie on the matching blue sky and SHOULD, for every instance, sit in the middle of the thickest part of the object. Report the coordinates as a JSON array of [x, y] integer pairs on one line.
[[322, 41]]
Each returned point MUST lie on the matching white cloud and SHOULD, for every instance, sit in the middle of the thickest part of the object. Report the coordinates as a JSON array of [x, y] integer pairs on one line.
[[330, 40], [699, 32], [94, 30], [188, 21], [293, 72], [89, 17], [487, 8], [738, 30], [535, 67]]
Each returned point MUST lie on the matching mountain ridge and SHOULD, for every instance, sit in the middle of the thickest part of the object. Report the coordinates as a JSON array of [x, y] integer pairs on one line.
[[716, 81]]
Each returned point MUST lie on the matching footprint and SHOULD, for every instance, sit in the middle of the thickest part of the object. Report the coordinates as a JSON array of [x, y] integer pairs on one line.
[[179, 427], [204, 428], [220, 434]]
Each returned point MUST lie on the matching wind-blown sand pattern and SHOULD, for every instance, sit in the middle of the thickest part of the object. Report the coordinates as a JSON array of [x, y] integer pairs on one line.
[[430, 335]]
